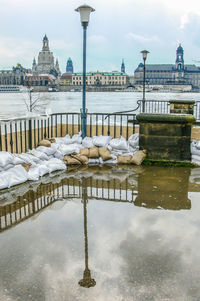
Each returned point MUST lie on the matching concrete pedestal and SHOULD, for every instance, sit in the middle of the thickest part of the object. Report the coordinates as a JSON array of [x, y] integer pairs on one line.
[[178, 106], [166, 136]]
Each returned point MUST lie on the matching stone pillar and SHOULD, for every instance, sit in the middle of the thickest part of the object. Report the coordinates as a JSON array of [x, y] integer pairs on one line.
[[166, 136], [179, 106]]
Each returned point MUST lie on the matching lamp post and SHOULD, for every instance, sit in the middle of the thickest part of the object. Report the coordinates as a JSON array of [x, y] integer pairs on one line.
[[144, 56], [84, 11]]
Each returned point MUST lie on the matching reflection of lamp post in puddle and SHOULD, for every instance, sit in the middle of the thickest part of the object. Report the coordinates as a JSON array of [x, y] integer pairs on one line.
[[87, 281]]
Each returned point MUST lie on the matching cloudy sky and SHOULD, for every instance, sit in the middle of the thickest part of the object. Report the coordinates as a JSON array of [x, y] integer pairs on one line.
[[118, 29]]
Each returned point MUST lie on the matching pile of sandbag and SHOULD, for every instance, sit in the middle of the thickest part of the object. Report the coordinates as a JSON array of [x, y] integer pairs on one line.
[[195, 152], [57, 153]]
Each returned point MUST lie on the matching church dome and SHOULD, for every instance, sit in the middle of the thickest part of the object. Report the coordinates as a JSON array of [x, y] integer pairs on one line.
[[45, 38]]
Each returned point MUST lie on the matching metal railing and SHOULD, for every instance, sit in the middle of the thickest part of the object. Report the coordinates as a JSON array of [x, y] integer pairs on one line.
[[20, 135]]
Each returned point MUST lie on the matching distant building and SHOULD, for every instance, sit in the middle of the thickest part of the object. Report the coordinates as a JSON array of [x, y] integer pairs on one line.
[[15, 76], [100, 79], [45, 63], [45, 80], [169, 74], [69, 66], [123, 67], [66, 79]]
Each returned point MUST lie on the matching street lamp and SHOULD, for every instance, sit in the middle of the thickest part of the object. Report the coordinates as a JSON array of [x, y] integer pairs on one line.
[[84, 11], [144, 56]]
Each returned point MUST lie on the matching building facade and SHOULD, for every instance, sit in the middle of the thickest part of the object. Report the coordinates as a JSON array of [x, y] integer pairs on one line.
[[46, 63], [100, 79], [169, 74], [15, 76]]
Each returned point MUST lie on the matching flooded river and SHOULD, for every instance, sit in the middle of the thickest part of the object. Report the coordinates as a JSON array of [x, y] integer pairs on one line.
[[102, 234]]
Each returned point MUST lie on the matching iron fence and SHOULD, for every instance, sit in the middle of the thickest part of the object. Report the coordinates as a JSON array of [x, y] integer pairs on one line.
[[20, 135]]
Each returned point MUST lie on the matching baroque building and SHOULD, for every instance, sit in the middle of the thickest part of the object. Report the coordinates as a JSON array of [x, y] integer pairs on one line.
[[15, 76], [169, 74], [46, 63]]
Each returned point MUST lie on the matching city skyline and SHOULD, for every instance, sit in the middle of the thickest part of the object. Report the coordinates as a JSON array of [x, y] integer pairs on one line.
[[128, 26]]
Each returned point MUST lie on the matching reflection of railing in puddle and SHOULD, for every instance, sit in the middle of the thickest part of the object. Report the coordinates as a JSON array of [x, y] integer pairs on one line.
[[33, 202], [149, 187]]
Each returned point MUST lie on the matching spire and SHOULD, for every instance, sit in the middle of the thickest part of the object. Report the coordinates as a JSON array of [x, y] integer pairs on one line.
[[123, 66], [34, 62]]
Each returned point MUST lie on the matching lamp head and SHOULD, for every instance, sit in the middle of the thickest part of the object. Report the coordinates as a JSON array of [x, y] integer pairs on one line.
[[85, 11], [144, 54]]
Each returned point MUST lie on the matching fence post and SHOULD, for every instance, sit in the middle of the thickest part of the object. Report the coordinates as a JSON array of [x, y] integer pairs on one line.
[[30, 133]]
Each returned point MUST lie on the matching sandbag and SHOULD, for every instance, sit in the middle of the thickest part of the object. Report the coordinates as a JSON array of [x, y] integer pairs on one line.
[[28, 158], [40, 155], [16, 175], [43, 170], [33, 173], [104, 153], [68, 160], [111, 161], [76, 138], [47, 150], [134, 140], [87, 142], [101, 140], [138, 157], [195, 150], [83, 159], [45, 142], [92, 161], [3, 181], [198, 144], [63, 140], [93, 152], [124, 159], [85, 151], [26, 166], [55, 164], [58, 155], [6, 167], [5, 158], [119, 144], [69, 149]]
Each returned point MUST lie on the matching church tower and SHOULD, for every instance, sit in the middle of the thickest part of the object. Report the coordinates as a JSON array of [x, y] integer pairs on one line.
[[179, 58], [123, 66], [45, 46], [69, 66]]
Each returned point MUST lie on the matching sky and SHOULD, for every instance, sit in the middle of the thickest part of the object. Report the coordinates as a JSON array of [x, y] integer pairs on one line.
[[118, 29]]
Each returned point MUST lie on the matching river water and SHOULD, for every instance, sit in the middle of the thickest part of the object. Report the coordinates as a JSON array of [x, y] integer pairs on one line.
[[133, 230], [13, 104]]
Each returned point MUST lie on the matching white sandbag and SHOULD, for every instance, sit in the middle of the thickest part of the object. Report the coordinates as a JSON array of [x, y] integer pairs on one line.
[[40, 155], [55, 164], [43, 170], [63, 140], [87, 142], [6, 167], [119, 144], [5, 158], [134, 140], [59, 155], [3, 181], [101, 140], [196, 162], [198, 144], [195, 157], [34, 173], [16, 175], [69, 149], [195, 151], [112, 161], [76, 138], [47, 150], [92, 161], [28, 158], [16, 160]]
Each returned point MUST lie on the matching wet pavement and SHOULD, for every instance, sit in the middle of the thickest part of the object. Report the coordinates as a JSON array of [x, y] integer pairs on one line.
[[107, 233]]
